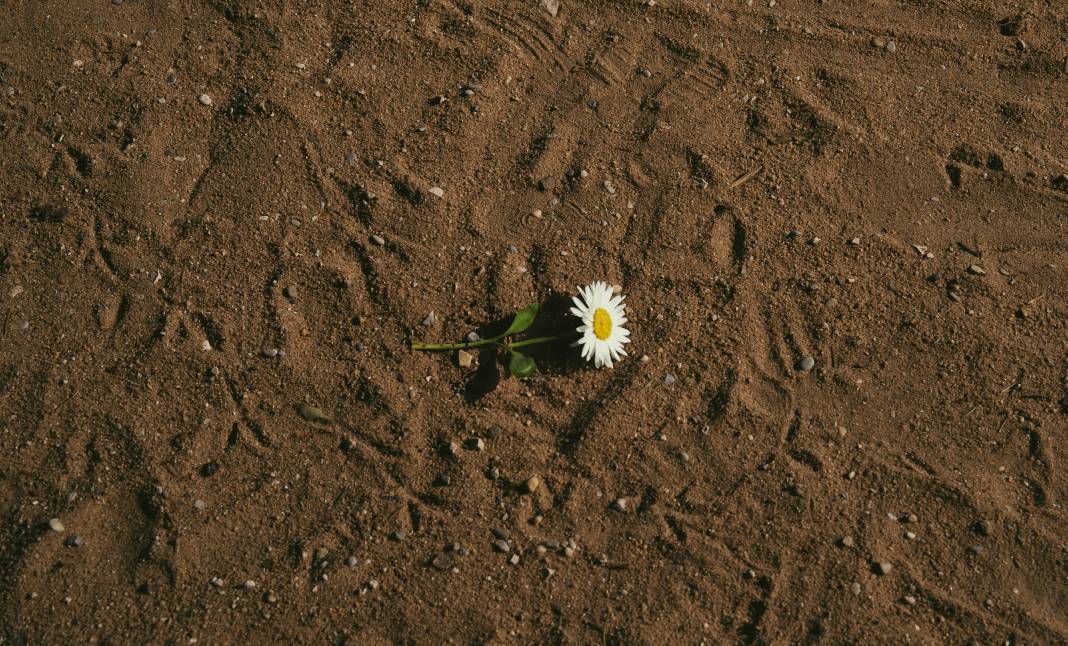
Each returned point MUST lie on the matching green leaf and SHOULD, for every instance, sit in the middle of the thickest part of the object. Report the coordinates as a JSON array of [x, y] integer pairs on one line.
[[521, 365], [524, 318]]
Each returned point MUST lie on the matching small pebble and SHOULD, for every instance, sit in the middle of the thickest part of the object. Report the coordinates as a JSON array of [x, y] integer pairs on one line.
[[855, 588], [290, 292], [532, 484], [501, 533], [806, 364], [351, 561], [321, 553], [200, 504], [248, 584], [502, 546], [620, 505], [854, 241], [437, 191], [464, 359], [846, 541], [909, 599], [475, 444], [749, 574], [205, 345], [399, 535], [205, 99], [883, 567], [669, 379], [74, 540], [443, 561], [378, 240], [430, 319], [514, 560], [891, 47], [56, 525]]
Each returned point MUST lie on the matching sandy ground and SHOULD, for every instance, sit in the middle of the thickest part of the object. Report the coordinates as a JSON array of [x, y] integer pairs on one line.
[[214, 214]]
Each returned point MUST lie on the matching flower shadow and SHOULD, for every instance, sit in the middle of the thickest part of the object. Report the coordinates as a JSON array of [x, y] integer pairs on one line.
[[553, 358]]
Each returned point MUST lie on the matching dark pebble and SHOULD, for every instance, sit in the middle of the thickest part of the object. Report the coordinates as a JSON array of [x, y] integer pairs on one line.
[[209, 469], [399, 535], [443, 561], [982, 527], [501, 533], [74, 540]]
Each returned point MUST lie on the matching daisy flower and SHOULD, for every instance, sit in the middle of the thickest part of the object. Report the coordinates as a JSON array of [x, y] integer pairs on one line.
[[603, 334]]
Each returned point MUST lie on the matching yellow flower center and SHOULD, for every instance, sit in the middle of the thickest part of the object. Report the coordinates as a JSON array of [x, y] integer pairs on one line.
[[602, 323]]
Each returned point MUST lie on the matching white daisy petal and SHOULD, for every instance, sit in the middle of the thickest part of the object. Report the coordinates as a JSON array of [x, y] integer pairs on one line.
[[593, 302]]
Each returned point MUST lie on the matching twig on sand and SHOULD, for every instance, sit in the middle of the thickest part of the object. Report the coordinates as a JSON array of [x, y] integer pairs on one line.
[[746, 177]]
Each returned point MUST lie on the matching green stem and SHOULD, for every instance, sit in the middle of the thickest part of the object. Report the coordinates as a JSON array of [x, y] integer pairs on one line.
[[542, 339], [454, 346], [431, 347]]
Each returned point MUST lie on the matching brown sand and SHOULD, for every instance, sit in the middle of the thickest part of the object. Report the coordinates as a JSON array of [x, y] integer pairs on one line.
[[922, 143]]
